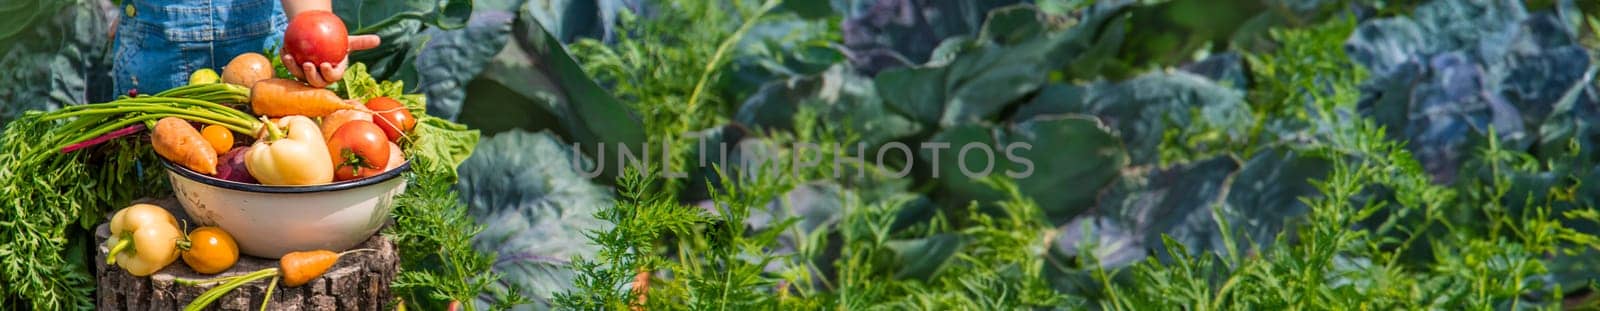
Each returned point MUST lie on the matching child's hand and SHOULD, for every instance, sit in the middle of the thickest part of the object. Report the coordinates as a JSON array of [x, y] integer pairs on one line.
[[321, 75]]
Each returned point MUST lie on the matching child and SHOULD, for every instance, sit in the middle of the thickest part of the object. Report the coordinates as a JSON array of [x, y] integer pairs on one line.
[[160, 42]]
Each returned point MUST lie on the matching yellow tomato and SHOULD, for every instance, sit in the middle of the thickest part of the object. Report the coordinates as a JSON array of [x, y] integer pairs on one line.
[[211, 250], [218, 137]]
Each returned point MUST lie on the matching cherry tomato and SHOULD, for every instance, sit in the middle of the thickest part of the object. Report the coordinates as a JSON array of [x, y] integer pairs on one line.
[[220, 138], [211, 250], [392, 116], [358, 149], [316, 37]]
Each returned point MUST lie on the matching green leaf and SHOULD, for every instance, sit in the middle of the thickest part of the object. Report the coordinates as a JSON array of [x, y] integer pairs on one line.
[[452, 58], [1267, 195], [55, 54], [1073, 158], [924, 257], [1059, 161], [400, 25], [1103, 239], [908, 30], [1013, 24], [1259, 199], [569, 20], [915, 92], [837, 96], [942, 151], [393, 59], [58, 56], [976, 80], [1175, 201], [537, 208], [358, 85], [1143, 110], [979, 83], [809, 9], [779, 48], [446, 144], [533, 84], [362, 16]]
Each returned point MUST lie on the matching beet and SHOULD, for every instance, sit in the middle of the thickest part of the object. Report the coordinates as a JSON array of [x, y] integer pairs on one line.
[[231, 166]]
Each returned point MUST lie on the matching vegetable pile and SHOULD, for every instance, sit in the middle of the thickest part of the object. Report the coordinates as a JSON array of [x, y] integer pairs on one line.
[[295, 150], [290, 148], [302, 136]]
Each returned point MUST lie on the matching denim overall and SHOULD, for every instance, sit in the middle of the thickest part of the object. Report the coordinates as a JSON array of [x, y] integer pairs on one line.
[[159, 42]]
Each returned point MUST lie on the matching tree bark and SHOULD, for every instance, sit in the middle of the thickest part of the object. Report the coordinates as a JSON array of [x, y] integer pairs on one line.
[[359, 281]]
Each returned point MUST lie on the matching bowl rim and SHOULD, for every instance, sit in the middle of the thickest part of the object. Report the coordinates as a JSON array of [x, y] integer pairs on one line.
[[233, 185]]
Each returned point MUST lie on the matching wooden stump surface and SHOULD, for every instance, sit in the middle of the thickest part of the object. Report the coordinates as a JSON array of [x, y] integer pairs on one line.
[[359, 281]]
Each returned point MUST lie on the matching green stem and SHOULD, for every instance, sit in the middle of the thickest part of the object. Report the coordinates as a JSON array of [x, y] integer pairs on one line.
[[182, 89], [243, 126], [353, 251], [80, 123], [196, 90], [223, 279], [57, 144], [273, 132], [722, 50], [122, 244], [213, 294], [149, 101], [207, 104], [268, 297], [214, 117], [103, 129]]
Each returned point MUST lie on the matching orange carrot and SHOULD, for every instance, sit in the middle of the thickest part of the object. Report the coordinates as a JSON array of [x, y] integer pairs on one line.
[[641, 287], [299, 268], [176, 140], [295, 269], [280, 97]]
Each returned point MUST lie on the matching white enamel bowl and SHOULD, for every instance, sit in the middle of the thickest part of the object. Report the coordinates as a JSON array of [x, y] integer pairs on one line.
[[269, 221]]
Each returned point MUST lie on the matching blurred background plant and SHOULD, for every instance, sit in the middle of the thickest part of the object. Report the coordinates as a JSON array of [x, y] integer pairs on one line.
[[1236, 154]]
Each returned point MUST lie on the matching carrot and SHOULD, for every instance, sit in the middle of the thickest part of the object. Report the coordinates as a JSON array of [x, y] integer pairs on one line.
[[280, 97], [299, 268], [295, 269], [641, 287], [178, 141]]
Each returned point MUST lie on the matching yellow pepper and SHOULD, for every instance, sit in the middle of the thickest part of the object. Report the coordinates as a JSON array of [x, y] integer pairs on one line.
[[298, 159], [144, 239]]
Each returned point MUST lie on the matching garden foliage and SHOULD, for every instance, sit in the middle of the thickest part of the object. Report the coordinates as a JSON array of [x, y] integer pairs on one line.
[[1185, 154]]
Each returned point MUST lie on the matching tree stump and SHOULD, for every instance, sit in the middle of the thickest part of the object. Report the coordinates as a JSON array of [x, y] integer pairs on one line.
[[359, 281]]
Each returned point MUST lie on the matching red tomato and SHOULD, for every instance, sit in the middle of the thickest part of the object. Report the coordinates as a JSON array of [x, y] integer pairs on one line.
[[316, 37], [392, 116], [358, 150]]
